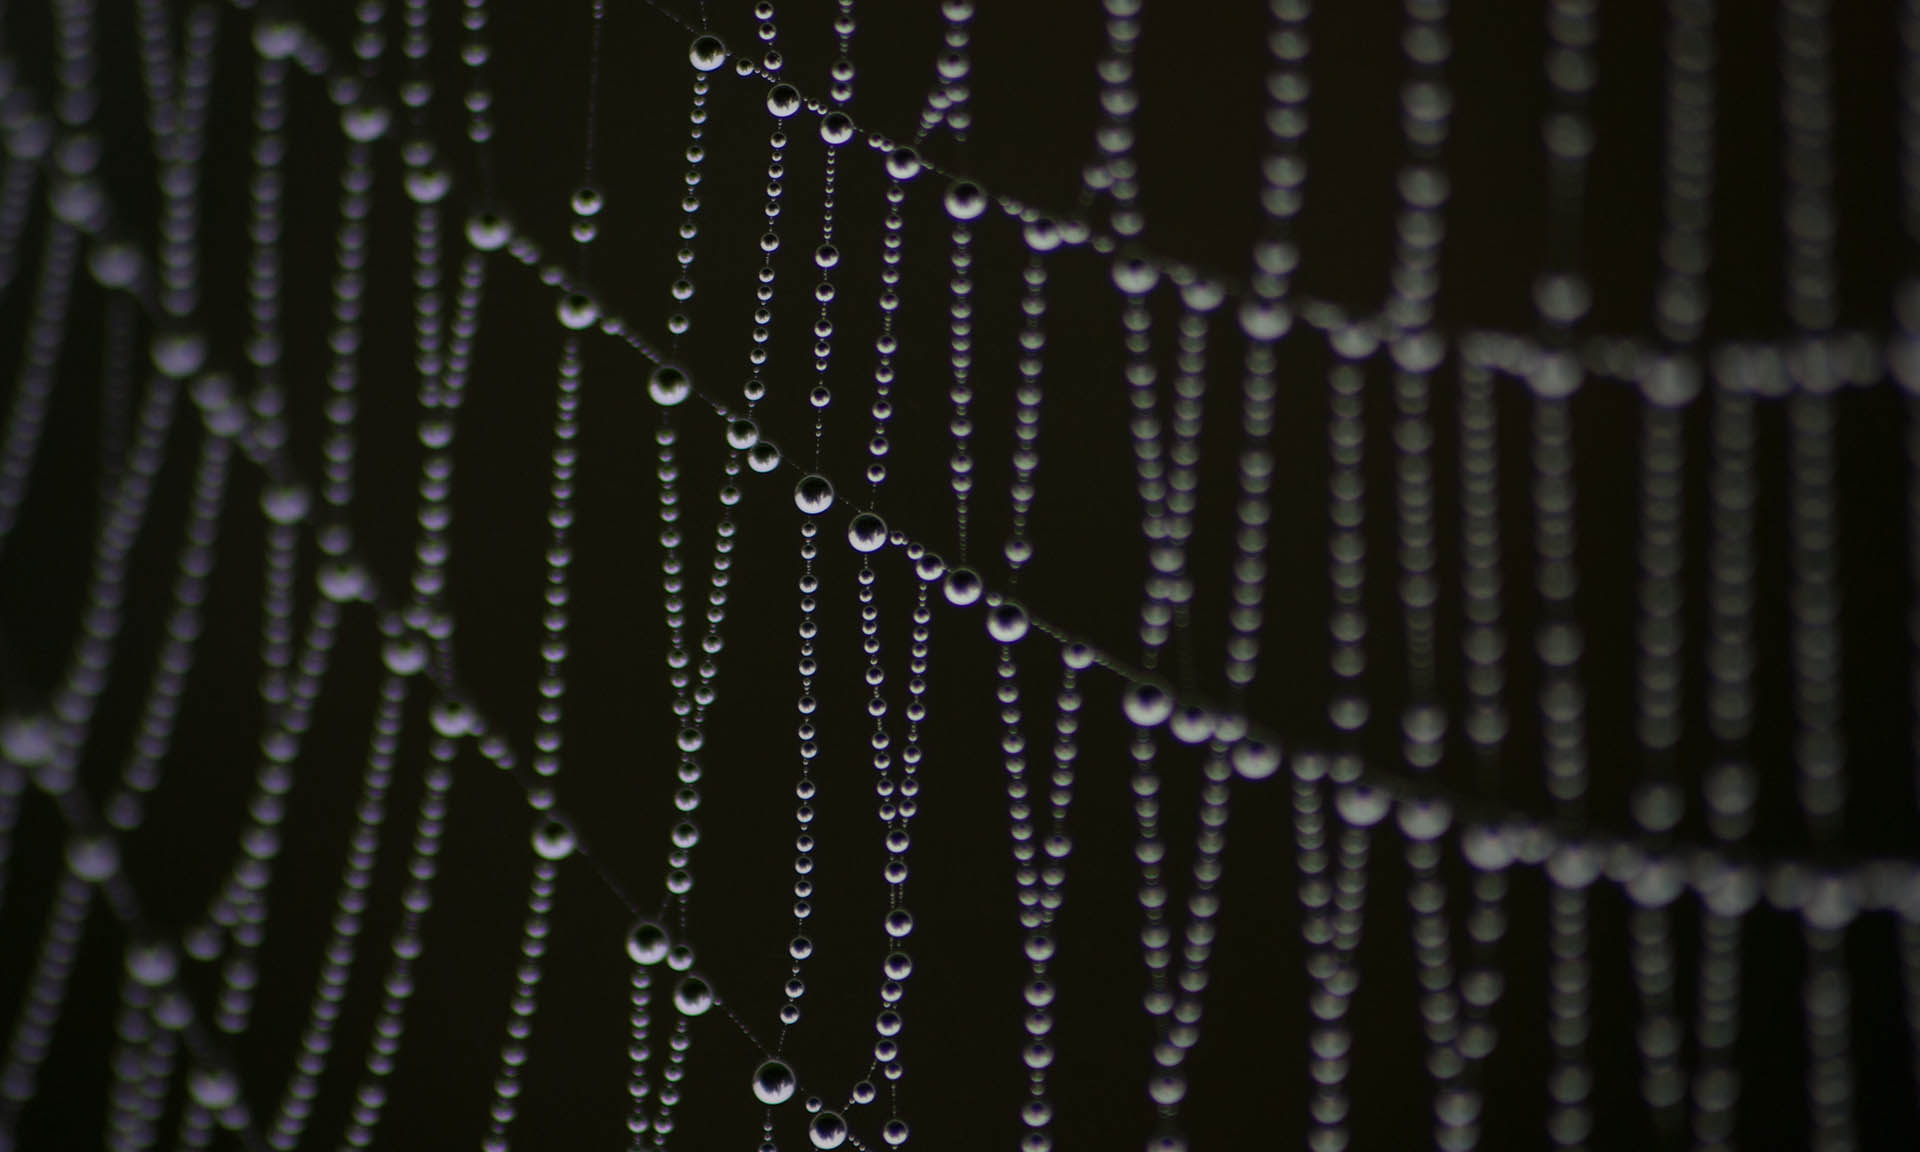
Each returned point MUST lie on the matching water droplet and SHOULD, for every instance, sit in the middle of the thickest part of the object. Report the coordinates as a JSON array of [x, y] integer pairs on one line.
[[774, 1083], [214, 1089], [669, 386], [783, 100], [1361, 806], [488, 231], [577, 311], [693, 996], [867, 532], [707, 53], [827, 1131], [964, 587], [93, 858], [1135, 276], [179, 355], [764, 457], [284, 503], [587, 202], [899, 923], [344, 582], [1256, 759], [365, 123], [836, 128], [1264, 321], [553, 840], [965, 200], [428, 185], [929, 567], [1192, 724], [1007, 623], [152, 965], [903, 164], [742, 434], [647, 943], [1147, 704], [813, 494], [26, 740]]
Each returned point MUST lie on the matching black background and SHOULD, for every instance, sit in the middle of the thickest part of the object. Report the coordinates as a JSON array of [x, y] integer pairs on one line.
[[1034, 104]]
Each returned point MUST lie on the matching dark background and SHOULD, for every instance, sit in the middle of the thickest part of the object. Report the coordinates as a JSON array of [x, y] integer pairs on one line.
[[1200, 69]]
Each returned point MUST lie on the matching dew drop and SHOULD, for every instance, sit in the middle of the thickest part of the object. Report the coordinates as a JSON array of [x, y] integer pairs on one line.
[[764, 457], [553, 840], [693, 996], [1192, 724], [669, 386], [26, 740], [836, 128], [963, 587], [647, 943], [707, 53], [214, 1089], [179, 355], [813, 494], [578, 311], [867, 532], [965, 200], [903, 164], [774, 1083], [1007, 623], [1147, 704], [93, 858], [742, 434], [1361, 806], [827, 1131], [783, 100], [488, 231], [1255, 759]]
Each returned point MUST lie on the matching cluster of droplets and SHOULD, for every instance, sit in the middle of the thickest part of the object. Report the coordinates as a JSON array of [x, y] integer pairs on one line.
[[1117, 171], [965, 202], [836, 129], [946, 101], [553, 842], [814, 497], [1347, 706], [705, 55], [1333, 891], [902, 165], [896, 793]]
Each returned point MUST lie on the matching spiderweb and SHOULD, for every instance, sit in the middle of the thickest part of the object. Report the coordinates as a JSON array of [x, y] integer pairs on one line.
[[329, 815]]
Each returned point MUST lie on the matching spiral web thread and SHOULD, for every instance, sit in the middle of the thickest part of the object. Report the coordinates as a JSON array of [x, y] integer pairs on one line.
[[52, 167]]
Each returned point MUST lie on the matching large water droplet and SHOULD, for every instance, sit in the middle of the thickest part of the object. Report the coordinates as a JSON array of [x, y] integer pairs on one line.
[[965, 200], [903, 164], [867, 532], [742, 434], [774, 1083], [1007, 622], [764, 457], [693, 996], [1256, 759], [813, 494], [783, 100], [577, 311], [963, 587], [488, 231], [827, 1131], [669, 386], [553, 840], [707, 53], [214, 1089], [1147, 704]]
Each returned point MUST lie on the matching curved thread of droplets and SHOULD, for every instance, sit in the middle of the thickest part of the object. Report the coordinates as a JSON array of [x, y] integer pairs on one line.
[[1396, 786]]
